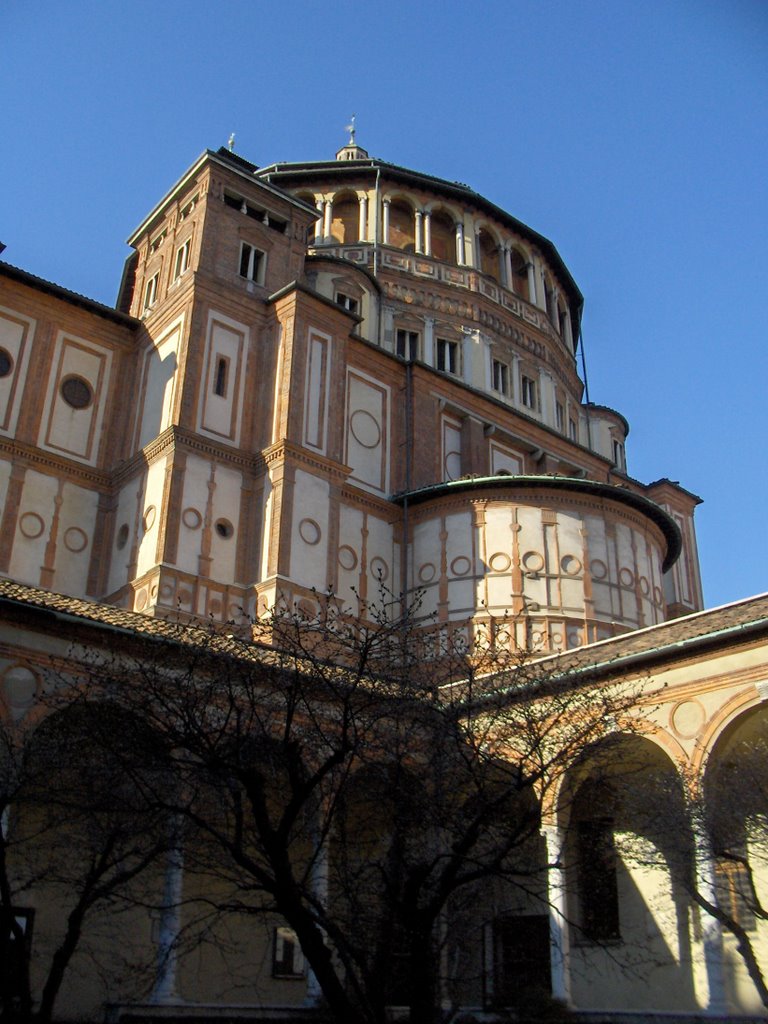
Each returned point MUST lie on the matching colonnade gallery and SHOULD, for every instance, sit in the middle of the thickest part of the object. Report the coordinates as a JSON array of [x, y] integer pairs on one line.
[[346, 669]]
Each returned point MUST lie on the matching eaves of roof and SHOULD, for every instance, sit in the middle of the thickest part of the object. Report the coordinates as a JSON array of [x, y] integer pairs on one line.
[[579, 485], [73, 298]]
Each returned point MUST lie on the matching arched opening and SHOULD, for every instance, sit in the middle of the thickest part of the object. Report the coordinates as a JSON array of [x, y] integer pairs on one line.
[[346, 219], [443, 236], [489, 254], [520, 275], [629, 857], [401, 226], [736, 811]]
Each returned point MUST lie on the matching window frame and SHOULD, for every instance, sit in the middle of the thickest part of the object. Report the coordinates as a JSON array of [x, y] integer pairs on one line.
[[182, 261], [411, 344], [529, 392], [447, 347], [255, 270], [287, 968], [151, 291], [500, 377]]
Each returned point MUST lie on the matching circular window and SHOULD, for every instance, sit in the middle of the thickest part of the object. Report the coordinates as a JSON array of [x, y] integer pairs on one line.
[[224, 528], [76, 392], [6, 362]]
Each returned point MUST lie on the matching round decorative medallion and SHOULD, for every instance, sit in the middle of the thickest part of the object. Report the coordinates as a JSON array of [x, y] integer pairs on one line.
[[570, 565], [166, 591], [191, 518], [76, 392], [460, 566], [141, 600], [626, 577], [499, 562], [149, 518], [427, 572], [574, 638], [364, 428], [379, 569], [598, 569], [533, 561], [347, 557], [75, 539], [658, 597], [309, 531], [214, 606], [184, 597], [645, 587], [306, 609], [31, 525], [687, 718]]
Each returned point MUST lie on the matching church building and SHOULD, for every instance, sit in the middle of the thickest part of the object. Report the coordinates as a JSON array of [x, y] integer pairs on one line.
[[346, 377]]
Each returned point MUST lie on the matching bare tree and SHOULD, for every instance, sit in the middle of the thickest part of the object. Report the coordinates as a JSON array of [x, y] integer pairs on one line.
[[365, 783]]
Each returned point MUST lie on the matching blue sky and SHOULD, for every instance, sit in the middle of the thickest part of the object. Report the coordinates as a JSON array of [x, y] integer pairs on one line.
[[634, 135]]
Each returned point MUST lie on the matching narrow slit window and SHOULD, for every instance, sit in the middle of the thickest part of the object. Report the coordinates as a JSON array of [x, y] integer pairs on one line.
[[220, 378]]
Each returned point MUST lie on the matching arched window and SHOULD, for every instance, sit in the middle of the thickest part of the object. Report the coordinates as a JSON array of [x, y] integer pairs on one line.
[[346, 219], [489, 254], [443, 236], [401, 226], [520, 275]]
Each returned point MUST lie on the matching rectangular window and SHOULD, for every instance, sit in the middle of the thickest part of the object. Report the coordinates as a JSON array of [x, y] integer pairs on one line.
[[573, 430], [347, 302], [500, 377], [18, 943], [618, 455], [220, 379], [150, 291], [735, 895], [560, 416], [528, 390], [407, 344], [252, 263], [598, 888], [447, 356], [182, 260], [287, 960]]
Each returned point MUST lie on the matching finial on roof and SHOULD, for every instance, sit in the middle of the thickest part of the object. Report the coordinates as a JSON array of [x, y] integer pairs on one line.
[[231, 142], [351, 129]]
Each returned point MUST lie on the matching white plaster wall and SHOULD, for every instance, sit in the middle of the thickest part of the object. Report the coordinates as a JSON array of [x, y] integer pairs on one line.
[[220, 416], [349, 555], [75, 433], [309, 533], [77, 523], [158, 385], [383, 562], [33, 527], [226, 505], [16, 337], [367, 431], [197, 473], [150, 520], [125, 514]]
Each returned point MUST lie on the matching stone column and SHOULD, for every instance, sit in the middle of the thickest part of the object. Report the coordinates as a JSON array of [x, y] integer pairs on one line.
[[558, 913], [514, 369], [460, 243], [509, 276], [319, 882], [385, 225], [327, 219], [531, 283], [427, 233], [713, 1002], [170, 925], [418, 247], [319, 222], [362, 230]]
